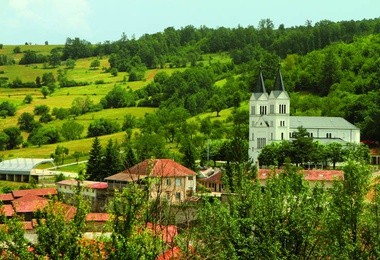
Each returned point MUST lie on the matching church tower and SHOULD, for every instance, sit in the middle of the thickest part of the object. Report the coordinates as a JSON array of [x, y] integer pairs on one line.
[[279, 111], [269, 116], [258, 123]]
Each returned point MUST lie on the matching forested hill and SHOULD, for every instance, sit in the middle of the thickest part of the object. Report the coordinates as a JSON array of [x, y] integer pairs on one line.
[[329, 68]]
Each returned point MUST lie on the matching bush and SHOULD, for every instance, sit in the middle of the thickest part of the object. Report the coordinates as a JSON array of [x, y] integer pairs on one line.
[[102, 127]]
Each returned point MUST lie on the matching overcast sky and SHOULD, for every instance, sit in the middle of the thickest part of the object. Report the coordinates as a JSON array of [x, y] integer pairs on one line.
[[37, 21]]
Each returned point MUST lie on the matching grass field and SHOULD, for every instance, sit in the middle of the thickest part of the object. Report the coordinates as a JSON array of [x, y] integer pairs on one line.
[[63, 97]]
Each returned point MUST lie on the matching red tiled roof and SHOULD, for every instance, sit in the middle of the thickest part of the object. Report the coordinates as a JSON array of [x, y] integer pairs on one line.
[[29, 197], [29, 206], [310, 175], [6, 197], [86, 184], [37, 192], [97, 217], [155, 168], [7, 210]]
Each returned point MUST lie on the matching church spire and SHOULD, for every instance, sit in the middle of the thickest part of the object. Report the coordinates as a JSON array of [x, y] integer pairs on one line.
[[279, 84], [260, 86]]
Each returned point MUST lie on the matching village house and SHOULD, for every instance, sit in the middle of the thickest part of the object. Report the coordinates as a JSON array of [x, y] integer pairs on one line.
[[94, 192], [173, 181]]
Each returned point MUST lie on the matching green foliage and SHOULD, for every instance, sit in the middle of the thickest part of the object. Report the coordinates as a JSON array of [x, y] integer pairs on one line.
[[58, 237], [71, 130], [95, 64], [14, 135], [102, 127], [94, 163], [28, 99], [26, 122], [45, 91], [41, 109], [44, 135], [59, 154], [7, 109], [130, 238], [118, 97]]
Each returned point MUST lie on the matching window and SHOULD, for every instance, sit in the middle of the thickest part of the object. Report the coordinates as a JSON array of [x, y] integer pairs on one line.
[[177, 182], [190, 178], [328, 135], [282, 109], [271, 136], [272, 109], [282, 123], [253, 136], [263, 110], [178, 195], [252, 110], [261, 142], [168, 182], [282, 136]]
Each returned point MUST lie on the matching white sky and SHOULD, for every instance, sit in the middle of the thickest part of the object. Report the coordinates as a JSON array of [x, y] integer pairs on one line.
[[37, 21]]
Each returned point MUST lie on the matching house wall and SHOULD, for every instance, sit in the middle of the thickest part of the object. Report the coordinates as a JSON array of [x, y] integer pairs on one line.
[[174, 189]]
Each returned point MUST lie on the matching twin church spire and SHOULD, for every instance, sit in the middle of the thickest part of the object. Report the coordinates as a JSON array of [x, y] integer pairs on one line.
[[277, 88]]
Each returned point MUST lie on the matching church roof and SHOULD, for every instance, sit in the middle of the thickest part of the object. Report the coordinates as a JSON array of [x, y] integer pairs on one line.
[[260, 86], [278, 87], [320, 122]]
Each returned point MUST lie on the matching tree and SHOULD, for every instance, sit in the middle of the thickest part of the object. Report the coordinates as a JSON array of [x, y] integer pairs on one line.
[[102, 127], [4, 139], [334, 153], [48, 78], [59, 237], [28, 99], [150, 145], [189, 154], [7, 109], [60, 154], [44, 135], [45, 91], [26, 122], [302, 146], [130, 238], [41, 109], [111, 161], [15, 138], [95, 64], [114, 72], [70, 63], [71, 130], [77, 155], [94, 163], [17, 49], [347, 207], [216, 103]]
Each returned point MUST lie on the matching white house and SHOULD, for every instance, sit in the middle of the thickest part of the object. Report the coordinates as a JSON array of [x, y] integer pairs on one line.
[[270, 120]]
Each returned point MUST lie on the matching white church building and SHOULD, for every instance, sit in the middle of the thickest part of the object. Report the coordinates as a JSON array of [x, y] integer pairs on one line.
[[270, 120]]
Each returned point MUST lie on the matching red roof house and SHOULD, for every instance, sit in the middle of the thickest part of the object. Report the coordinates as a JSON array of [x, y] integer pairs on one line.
[[175, 182]]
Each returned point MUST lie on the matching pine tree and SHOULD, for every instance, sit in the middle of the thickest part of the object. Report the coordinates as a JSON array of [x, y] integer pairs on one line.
[[94, 162], [111, 162]]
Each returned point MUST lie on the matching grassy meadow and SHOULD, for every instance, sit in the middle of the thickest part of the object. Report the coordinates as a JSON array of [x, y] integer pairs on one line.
[[63, 97]]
